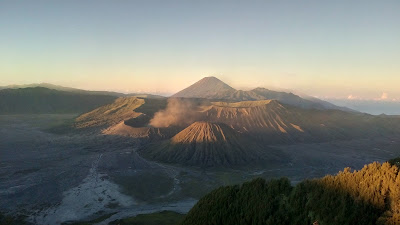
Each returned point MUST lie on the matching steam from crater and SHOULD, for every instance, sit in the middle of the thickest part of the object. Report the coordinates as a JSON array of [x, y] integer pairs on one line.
[[179, 112]]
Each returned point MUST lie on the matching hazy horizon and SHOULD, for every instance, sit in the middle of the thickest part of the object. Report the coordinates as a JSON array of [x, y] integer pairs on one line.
[[341, 49], [340, 100]]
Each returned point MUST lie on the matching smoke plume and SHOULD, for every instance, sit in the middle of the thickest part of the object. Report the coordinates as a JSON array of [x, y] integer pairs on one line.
[[179, 112]]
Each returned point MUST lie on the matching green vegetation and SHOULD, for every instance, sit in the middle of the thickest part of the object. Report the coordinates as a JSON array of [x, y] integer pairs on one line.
[[369, 196], [160, 218], [6, 220], [10, 220], [395, 162]]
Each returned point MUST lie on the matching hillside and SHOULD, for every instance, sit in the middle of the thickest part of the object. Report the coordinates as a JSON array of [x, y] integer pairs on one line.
[[126, 116], [121, 109], [368, 196], [61, 88], [39, 100], [271, 122], [79, 91], [265, 121], [265, 94], [213, 88], [206, 144], [288, 98]]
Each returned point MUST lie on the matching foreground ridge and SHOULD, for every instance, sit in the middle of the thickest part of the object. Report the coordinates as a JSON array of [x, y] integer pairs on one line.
[[368, 196]]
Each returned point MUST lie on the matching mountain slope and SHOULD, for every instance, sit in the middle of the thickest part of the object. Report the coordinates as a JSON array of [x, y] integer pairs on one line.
[[271, 122], [62, 88], [265, 122], [79, 91], [152, 133], [43, 100], [287, 98], [208, 87], [121, 109], [248, 116], [127, 116], [328, 105], [213, 88], [205, 144]]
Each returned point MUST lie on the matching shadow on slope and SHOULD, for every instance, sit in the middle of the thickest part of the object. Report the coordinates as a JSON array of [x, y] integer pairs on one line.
[[271, 122], [207, 144]]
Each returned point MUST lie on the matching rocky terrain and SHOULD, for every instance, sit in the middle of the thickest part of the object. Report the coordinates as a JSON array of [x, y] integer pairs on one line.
[[204, 133], [207, 144], [121, 109], [142, 155], [213, 88]]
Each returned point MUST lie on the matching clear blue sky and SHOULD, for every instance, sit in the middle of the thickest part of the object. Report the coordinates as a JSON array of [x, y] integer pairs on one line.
[[324, 48]]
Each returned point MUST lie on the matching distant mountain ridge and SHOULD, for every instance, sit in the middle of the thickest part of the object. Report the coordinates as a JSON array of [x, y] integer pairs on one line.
[[213, 88], [60, 88], [77, 90], [40, 100], [46, 98]]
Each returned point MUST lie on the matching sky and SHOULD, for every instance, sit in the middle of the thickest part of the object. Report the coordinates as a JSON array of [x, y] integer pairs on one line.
[[329, 49]]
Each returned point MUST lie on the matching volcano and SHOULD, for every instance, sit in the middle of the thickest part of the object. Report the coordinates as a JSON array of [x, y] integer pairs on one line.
[[205, 144], [208, 87], [266, 120], [215, 89], [271, 122]]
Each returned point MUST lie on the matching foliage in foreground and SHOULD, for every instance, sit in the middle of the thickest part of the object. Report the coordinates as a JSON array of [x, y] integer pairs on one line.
[[369, 196], [160, 218], [10, 220]]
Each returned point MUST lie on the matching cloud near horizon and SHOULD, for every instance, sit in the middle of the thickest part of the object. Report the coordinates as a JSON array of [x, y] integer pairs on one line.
[[384, 97]]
